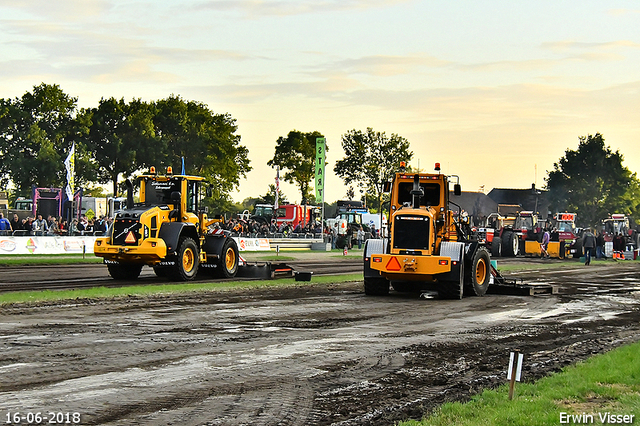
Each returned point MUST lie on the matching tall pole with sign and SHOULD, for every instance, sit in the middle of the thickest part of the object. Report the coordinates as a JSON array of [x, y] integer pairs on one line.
[[319, 182]]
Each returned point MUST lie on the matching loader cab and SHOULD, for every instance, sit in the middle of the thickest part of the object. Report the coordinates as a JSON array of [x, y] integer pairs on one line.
[[182, 192]]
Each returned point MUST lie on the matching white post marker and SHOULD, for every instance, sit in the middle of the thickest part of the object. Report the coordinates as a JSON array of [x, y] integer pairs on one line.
[[277, 249], [514, 371]]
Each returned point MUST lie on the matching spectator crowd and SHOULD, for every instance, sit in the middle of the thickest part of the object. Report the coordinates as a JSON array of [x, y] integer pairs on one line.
[[39, 226]]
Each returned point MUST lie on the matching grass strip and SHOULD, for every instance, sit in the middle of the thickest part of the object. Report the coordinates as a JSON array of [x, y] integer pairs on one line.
[[606, 384], [161, 289]]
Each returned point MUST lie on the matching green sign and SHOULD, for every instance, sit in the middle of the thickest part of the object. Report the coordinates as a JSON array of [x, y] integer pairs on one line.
[[320, 160]]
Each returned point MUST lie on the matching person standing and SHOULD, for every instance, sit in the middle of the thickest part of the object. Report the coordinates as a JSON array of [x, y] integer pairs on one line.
[[16, 223], [5, 225], [600, 246], [546, 237], [39, 226], [360, 237], [588, 243]]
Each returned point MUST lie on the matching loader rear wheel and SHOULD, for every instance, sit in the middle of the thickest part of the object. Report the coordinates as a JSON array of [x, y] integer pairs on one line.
[[496, 247], [229, 259], [124, 271], [478, 279], [187, 261], [376, 286]]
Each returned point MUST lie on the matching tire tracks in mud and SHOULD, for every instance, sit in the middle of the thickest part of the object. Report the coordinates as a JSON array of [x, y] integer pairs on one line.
[[307, 355]]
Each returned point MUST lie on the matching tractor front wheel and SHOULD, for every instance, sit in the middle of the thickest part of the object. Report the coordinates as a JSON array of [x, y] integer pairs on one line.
[[187, 260]]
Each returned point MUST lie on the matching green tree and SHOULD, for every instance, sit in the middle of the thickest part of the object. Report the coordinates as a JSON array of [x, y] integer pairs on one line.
[[296, 156], [371, 158], [36, 134], [208, 143], [592, 182], [270, 196], [121, 138]]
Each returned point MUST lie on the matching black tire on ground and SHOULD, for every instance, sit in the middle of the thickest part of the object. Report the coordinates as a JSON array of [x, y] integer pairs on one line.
[[450, 290], [341, 241], [187, 260], [578, 249], [229, 259], [510, 244], [477, 278], [496, 247], [124, 271], [376, 286]]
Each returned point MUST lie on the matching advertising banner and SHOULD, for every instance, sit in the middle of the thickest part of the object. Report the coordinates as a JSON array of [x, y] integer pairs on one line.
[[320, 160]]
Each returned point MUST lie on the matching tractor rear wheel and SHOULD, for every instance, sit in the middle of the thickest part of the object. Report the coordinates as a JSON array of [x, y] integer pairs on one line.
[[229, 259], [496, 247], [510, 244], [124, 271], [187, 261], [477, 280], [376, 286]]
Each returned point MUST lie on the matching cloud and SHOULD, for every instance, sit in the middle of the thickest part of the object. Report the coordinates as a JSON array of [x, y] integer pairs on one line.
[[261, 8], [387, 65], [67, 10]]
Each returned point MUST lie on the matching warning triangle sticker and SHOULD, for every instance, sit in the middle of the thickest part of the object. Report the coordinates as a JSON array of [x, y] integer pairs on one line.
[[130, 238], [393, 264]]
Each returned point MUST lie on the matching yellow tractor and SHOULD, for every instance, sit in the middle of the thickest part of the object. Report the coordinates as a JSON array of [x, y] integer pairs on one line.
[[168, 230], [430, 246]]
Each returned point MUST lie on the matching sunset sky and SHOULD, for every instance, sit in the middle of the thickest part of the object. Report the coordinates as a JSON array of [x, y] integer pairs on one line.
[[495, 91]]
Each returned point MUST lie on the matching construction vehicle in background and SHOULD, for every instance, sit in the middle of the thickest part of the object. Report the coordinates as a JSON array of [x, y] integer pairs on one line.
[[618, 224], [167, 230], [430, 246]]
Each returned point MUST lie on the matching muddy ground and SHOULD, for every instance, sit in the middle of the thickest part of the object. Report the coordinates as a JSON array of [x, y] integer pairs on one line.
[[305, 355]]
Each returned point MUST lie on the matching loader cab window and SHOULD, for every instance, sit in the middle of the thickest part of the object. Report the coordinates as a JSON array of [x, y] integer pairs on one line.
[[158, 192], [192, 196], [431, 193]]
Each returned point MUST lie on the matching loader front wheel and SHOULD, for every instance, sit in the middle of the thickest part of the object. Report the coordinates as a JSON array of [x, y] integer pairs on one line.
[[124, 271], [480, 272], [229, 259], [187, 261]]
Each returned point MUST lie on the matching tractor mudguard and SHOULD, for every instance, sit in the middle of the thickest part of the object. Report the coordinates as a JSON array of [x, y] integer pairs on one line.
[[470, 251], [213, 244], [171, 232]]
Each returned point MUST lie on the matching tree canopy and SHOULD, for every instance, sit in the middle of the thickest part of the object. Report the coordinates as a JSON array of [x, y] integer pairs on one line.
[[115, 139], [371, 158], [36, 133], [592, 182], [295, 155]]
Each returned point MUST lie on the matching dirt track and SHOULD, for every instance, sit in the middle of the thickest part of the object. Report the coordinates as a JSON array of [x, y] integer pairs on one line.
[[305, 355]]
